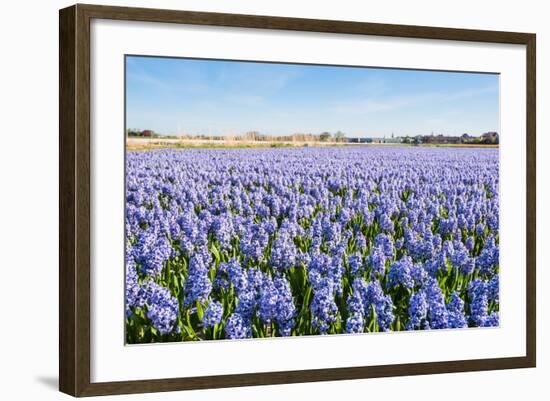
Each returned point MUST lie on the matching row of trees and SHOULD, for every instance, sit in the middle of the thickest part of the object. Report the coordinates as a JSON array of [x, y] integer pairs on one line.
[[489, 138], [148, 133], [257, 136], [254, 136]]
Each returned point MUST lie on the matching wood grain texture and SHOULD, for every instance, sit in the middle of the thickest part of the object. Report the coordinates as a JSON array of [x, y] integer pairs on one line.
[[531, 202], [67, 132], [301, 376], [82, 192], [301, 24], [74, 198]]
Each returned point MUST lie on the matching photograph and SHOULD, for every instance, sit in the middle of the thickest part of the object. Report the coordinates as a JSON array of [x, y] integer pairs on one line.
[[269, 199]]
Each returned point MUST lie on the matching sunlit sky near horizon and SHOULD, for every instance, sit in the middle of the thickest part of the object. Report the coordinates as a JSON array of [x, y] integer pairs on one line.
[[176, 96]]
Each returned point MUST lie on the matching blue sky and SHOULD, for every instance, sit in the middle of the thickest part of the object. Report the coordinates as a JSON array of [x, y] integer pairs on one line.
[[171, 96]]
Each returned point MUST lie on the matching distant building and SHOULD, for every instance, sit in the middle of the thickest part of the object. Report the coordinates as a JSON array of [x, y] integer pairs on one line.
[[359, 140], [393, 139], [137, 132], [441, 139], [489, 137]]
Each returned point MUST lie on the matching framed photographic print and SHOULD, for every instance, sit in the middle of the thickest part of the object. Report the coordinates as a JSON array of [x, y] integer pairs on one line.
[[250, 200]]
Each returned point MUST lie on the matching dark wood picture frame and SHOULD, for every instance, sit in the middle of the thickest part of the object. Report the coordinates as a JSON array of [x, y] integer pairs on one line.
[[74, 199]]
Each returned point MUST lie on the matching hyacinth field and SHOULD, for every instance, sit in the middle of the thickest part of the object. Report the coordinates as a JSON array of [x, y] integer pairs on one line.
[[253, 243]]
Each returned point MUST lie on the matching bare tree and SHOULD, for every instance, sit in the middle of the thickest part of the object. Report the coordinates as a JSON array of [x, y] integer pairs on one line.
[[339, 136]]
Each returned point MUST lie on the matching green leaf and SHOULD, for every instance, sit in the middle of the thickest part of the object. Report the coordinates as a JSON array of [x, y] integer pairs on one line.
[[200, 310]]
